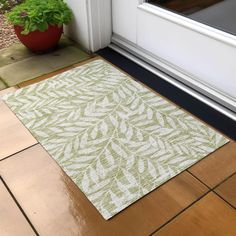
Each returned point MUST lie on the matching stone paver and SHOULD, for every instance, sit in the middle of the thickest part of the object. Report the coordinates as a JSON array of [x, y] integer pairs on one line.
[[38, 65], [14, 53], [18, 52], [65, 57], [24, 70]]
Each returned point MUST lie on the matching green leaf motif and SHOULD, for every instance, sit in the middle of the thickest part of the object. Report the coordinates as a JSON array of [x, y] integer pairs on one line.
[[115, 138]]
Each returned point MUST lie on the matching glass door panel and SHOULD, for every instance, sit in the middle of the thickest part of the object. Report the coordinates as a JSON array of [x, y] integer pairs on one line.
[[216, 13]]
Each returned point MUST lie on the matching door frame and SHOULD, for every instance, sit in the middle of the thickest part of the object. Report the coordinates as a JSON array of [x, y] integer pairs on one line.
[[99, 14], [101, 35], [99, 18]]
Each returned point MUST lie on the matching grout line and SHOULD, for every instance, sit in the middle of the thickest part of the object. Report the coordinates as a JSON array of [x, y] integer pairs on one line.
[[172, 218], [221, 197], [212, 188], [198, 179], [224, 180], [19, 206], [18, 152], [4, 82]]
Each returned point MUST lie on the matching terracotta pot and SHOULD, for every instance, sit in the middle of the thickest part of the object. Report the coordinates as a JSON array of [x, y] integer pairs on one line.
[[38, 41]]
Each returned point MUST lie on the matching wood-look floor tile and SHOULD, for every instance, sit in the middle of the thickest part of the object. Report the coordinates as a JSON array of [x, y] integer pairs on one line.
[[209, 216], [12, 221], [14, 137], [227, 190], [8, 90], [56, 206], [217, 166]]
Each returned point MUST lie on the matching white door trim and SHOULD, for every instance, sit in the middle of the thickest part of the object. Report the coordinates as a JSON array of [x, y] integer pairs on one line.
[[189, 24], [99, 23], [99, 17]]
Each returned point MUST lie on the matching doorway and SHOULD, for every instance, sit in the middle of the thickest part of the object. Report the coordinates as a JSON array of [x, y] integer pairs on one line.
[[193, 53]]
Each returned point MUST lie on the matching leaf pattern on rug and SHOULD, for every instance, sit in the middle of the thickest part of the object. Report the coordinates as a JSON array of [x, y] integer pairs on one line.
[[116, 139]]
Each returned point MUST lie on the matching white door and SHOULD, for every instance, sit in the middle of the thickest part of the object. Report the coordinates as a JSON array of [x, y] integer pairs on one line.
[[200, 56]]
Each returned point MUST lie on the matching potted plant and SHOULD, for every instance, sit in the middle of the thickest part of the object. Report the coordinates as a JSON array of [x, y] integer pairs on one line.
[[39, 23]]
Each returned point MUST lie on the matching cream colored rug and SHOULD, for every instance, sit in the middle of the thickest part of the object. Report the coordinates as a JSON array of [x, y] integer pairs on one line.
[[116, 139]]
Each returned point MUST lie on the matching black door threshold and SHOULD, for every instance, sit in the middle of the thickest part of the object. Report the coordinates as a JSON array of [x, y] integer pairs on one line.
[[204, 112]]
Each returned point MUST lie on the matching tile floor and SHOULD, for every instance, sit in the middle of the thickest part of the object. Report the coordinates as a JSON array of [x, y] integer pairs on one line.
[[39, 198]]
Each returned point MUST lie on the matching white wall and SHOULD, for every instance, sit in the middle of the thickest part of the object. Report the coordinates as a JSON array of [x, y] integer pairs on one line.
[[78, 29], [91, 26], [100, 23]]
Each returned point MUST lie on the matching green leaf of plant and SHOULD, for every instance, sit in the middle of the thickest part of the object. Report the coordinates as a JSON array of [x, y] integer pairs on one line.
[[42, 26], [38, 14]]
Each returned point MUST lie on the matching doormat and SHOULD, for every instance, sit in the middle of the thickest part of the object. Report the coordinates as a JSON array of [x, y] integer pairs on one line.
[[116, 139]]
